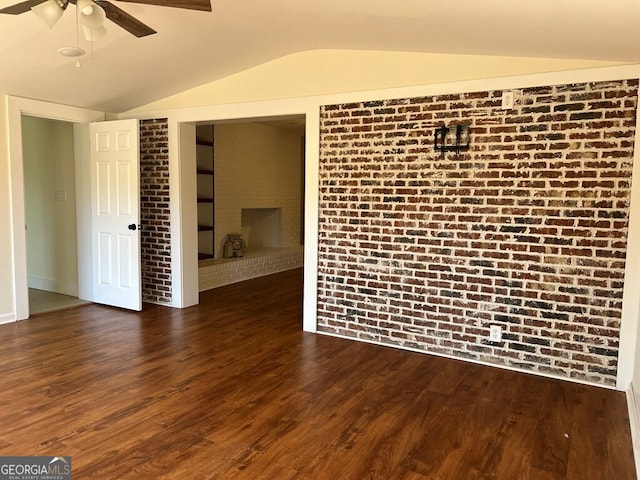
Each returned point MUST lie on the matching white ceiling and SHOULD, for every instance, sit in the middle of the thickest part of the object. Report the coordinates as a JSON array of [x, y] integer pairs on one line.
[[192, 48]]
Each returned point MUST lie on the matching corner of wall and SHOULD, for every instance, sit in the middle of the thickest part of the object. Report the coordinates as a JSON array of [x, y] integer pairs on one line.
[[7, 308]]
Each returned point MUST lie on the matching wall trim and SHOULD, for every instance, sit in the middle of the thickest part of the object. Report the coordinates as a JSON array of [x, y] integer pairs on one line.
[[634, 424], [628, 352], [52, 285], [7, 318]]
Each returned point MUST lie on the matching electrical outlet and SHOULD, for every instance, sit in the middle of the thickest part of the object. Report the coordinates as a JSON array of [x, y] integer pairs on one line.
[[508, 98], [495, 333]]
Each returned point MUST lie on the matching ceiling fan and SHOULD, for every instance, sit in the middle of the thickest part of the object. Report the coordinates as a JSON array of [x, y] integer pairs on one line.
[[116, 14]]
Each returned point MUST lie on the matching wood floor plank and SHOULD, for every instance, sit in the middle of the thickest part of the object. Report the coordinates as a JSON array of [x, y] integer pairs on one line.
[[404, 474], [233, 389], [617, 435], [553, 437]]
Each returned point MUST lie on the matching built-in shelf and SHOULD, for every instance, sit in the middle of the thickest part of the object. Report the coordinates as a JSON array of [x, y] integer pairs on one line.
[[206, 193]]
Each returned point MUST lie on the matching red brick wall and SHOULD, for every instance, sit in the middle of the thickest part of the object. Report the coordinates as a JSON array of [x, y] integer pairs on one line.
[[526, 230], [155, 237]]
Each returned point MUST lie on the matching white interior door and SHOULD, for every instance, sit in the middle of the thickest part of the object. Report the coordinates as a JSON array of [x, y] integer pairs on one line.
[[115, 214]]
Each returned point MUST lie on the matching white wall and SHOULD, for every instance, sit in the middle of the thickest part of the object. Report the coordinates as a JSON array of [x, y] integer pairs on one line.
[[326, 72], [50, 205]]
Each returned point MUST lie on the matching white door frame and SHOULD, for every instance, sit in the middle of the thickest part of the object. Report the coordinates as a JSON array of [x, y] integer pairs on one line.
[[181, 124], [16, 108]]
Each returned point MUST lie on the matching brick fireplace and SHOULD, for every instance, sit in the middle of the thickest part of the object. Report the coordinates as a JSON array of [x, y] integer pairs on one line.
[[258, 193], [261, 228]]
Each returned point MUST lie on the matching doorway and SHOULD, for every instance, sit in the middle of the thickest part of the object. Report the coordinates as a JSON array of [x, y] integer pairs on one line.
[[50, 213], [257, 196], [17, 107]]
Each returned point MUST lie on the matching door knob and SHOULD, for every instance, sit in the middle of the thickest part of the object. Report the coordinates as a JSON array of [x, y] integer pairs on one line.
[[133, 226]]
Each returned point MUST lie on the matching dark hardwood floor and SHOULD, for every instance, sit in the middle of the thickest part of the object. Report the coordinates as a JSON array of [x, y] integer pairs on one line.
[[233, 389]]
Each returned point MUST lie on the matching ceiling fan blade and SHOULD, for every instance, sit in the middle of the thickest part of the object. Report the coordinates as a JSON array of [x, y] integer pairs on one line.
[[124, 20], [204, 5], [21, 7]]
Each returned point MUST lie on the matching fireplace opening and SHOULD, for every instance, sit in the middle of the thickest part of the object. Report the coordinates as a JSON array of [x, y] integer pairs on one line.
[[261, 228]]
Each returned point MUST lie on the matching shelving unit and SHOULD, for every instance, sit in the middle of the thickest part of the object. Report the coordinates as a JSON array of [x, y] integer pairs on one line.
[[206, 207]]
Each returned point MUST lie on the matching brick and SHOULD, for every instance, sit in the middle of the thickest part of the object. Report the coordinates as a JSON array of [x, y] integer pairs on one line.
[[154, 212], [527, 228]]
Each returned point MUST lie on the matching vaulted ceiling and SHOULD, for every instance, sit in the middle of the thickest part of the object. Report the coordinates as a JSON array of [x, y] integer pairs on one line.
[[192, 48]]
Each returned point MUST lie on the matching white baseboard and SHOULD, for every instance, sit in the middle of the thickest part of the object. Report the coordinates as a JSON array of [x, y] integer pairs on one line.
[[7, 318], [49, 285], [634, 424]]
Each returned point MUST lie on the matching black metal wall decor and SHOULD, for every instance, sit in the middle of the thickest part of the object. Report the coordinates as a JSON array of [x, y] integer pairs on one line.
[[453, 138]]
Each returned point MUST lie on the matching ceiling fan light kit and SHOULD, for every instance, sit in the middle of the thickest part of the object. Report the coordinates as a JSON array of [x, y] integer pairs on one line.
[[91, 34], [71, 52], [50, 11], [91, 15]]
